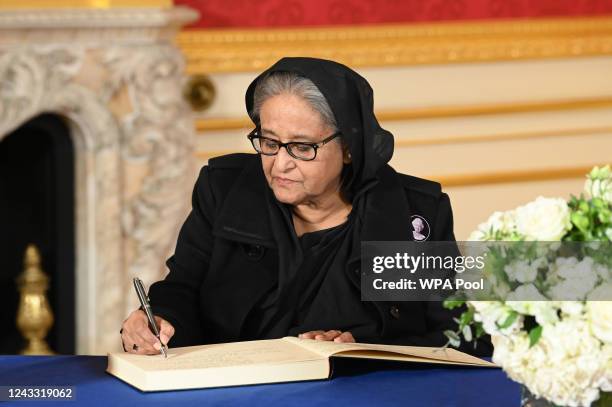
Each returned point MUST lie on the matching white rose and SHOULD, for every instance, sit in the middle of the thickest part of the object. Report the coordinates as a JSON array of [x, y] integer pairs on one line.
[[599, 314], [545, 219]]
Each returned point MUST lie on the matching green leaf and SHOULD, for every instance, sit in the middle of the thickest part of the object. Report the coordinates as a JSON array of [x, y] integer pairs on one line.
[[580, 220], [534, 335], [512, 316], [479, 330], [451, 304]]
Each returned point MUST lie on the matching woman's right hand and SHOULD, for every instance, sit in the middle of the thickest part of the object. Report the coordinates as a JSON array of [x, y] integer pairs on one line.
[[137, 337]]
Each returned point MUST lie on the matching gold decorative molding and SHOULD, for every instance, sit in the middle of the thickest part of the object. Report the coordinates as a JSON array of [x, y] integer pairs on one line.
[[478, 138], [209, 51], [221, 124], [501, 177], [46, 4]]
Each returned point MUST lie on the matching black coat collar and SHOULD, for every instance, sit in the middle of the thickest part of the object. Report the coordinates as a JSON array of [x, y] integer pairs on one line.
[[383, 212]]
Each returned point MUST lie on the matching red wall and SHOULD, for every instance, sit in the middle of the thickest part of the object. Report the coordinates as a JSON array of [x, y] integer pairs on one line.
[[283, 13]]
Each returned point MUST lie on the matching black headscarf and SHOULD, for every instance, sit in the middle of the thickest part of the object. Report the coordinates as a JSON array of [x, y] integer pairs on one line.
[[352, 101], [302, 303]]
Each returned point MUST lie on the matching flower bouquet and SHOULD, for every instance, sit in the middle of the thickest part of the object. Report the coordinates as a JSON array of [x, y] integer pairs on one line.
[[549, 312]]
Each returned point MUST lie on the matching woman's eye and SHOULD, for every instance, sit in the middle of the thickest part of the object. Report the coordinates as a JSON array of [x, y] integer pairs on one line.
[[303, 148], [270, 144]]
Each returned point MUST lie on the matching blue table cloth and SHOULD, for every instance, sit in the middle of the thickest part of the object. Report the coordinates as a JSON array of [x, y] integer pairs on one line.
[[354, 383]]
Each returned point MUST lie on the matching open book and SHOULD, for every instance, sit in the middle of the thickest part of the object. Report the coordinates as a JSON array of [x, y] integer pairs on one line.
[[266, 361]]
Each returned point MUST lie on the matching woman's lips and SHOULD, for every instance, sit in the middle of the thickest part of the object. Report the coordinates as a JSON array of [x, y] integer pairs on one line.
[[283, 181]]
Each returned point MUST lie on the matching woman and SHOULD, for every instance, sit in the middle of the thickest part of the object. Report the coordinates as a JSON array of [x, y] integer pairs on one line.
[[272, 245]]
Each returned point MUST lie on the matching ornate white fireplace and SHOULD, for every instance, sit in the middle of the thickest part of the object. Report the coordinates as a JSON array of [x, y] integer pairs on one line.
[[116, 76]]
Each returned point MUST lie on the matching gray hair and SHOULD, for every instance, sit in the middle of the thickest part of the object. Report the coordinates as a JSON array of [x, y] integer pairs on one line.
[[278, 83]]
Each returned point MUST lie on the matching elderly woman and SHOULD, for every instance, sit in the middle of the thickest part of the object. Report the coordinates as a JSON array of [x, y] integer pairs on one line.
[[272, 245]]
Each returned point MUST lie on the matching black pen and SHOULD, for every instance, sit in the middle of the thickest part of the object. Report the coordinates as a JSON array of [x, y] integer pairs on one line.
[[146, 307]]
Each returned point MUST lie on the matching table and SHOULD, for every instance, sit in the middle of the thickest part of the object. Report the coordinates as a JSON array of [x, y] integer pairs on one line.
[[354, 383]]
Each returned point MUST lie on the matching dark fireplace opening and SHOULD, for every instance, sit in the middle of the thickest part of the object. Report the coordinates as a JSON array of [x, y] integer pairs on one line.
[[37, 206]]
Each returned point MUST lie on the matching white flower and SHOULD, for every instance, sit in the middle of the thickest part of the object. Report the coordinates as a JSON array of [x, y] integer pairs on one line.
[[567, 366], [498, 221], [603, 272], [545, 312], [571, 289], [572, 308], [492, 314], [599, 183], [605, 382], [599, 189], [480, 305], [578, 278], [526, 294], [545, 219], [570, 267], [601, 293], [521, 271], [599, 314]]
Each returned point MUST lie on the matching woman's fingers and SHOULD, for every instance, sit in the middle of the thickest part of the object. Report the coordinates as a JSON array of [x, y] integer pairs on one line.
[[345, 337], [310, 334], [166, 330], [328, 336], [137, 336], [331, 335]]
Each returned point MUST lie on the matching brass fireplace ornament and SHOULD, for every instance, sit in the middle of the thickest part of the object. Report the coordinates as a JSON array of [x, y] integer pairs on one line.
[[34, 315], [199, 92]]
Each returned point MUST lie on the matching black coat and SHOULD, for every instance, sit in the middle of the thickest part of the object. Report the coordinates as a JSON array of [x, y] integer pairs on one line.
[[225, 251]]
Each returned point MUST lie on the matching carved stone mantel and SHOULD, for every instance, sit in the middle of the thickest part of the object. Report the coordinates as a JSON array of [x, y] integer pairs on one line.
[[116, 76]]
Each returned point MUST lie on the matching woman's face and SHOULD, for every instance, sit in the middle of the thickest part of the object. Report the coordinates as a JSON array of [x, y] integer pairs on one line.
[[286, 118]]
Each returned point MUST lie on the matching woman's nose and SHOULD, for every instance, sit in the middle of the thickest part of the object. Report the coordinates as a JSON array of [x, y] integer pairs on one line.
[[283, 160]]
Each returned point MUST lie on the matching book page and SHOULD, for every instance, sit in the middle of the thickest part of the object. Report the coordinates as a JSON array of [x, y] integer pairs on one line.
[[323, 348], [408, 353], [272, 351]]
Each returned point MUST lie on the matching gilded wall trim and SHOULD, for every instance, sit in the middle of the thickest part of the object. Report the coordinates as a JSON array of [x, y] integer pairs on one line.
[[209, 51], [224, 124], [502, 177], [46, 4]]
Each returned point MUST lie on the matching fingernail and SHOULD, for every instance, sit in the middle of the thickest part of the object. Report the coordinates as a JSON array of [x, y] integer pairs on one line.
[[157, 346], [300, 335]]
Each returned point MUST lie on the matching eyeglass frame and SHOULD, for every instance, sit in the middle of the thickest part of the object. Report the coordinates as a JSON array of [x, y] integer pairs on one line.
[[315, 146]]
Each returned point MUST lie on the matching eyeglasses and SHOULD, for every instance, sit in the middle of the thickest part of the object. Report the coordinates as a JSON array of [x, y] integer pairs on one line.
[[299, 150]]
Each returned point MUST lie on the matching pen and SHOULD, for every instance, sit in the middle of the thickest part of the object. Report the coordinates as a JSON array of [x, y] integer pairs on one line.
[[146, 307]]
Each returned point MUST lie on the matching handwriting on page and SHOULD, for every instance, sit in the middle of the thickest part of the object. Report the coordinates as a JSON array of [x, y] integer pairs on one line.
[[226, 355]]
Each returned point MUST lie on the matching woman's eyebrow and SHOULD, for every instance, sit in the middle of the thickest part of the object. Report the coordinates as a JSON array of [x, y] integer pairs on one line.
[[294, 137]]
